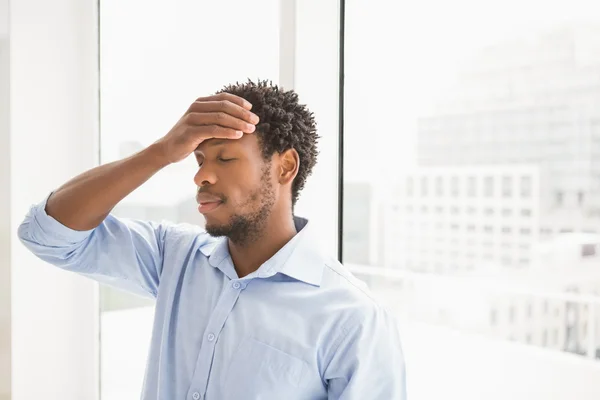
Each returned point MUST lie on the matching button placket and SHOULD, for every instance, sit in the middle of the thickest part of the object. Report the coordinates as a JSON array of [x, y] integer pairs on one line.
[[214, 326]]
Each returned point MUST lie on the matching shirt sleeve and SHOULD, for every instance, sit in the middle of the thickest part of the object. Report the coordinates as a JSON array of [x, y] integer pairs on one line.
[[127, 254], [368, 362]]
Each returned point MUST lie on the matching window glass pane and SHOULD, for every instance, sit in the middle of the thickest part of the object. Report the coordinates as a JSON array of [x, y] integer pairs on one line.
[[156, 59], [497, 103]]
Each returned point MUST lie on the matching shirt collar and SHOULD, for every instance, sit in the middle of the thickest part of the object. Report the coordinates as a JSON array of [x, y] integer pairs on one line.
[[299, 259]]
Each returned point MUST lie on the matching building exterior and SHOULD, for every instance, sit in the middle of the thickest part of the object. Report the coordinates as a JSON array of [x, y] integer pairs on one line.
[[456, 219], [495, 226], [529, 102]]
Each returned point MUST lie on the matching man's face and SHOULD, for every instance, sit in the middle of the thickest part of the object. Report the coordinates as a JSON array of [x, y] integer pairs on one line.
[[235, 187]]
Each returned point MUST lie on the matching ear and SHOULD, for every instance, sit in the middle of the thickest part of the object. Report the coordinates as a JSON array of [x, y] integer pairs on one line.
[[289, 162]]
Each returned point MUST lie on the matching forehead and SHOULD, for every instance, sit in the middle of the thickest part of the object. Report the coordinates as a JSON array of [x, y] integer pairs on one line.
[[247, 143]]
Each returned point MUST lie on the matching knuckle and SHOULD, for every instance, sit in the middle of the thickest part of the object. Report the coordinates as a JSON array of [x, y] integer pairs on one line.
[[190, 118]]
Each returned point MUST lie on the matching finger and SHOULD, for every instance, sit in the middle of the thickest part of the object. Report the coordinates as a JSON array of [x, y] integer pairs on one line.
[[224, 106], [221, 119], [229, 97]]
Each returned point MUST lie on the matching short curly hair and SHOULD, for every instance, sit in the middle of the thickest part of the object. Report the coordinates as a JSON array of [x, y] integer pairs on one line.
[[284, 124]]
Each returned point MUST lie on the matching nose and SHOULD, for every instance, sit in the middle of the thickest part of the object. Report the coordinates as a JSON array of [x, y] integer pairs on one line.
[[205, 176]]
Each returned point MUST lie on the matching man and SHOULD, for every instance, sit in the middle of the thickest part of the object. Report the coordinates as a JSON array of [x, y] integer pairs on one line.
[[246, 308]]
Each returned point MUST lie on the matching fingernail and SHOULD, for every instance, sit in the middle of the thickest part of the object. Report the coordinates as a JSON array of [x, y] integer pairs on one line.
[[239, 133], [254, 119], [247, 105], [250, 127]]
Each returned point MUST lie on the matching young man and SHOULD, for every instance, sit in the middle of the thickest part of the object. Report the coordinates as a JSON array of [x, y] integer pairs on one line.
[[246, 308]]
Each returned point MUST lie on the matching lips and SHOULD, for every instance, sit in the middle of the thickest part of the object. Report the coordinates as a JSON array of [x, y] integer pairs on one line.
[[207, 202]]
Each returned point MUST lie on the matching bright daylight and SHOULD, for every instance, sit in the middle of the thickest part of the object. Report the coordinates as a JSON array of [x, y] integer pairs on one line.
[[364, 200]]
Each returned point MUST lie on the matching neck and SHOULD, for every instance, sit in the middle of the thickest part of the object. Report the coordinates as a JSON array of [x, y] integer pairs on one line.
[[278, 230]]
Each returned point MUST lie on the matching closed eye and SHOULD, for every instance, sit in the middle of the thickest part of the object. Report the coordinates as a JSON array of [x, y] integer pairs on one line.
[[221, 159]]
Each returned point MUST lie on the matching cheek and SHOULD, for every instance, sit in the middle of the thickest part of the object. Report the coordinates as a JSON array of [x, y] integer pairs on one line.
[[240, 191]]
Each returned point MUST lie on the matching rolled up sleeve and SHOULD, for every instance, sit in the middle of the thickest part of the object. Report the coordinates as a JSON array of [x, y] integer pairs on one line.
[[124, 253]]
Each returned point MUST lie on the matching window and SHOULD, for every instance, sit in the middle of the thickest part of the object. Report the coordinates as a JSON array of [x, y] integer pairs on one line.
[[153, 64], [439, 186], [493, 317], [472, 186], [589, 250], [580, 198], [525, 187], [409, 187], [424, 187], [507, 186], [497, 123], [454, 186], [489, 186], [559, 198]]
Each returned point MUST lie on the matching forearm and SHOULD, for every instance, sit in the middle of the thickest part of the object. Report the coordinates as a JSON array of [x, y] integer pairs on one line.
[[84, 202]]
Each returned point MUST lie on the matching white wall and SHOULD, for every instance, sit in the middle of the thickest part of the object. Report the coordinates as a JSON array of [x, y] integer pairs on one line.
[[4, 221], [53, 114], [3, 18]]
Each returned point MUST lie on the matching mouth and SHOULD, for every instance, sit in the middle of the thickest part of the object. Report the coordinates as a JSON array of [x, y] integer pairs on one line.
[[207, 207]]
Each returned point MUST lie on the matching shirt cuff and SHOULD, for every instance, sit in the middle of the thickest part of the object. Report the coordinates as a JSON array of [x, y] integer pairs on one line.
[[50, 226]]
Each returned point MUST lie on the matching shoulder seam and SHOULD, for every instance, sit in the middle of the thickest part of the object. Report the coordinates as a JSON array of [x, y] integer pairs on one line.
[[352, 283]]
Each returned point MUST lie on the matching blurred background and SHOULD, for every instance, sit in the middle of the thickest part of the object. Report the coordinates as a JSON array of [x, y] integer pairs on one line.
[[459, 174]]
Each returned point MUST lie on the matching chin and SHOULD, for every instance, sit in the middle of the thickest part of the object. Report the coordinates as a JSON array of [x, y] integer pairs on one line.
[[216, 229]]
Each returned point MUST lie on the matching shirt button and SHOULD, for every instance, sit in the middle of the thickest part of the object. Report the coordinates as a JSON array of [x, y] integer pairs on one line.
[[211, 337], [196, 396], [237, 285]]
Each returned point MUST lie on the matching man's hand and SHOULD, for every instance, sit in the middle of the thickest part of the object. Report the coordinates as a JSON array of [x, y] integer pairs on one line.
[[222, 116]]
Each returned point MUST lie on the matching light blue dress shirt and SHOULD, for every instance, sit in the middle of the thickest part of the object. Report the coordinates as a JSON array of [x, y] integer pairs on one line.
[[300, 327]]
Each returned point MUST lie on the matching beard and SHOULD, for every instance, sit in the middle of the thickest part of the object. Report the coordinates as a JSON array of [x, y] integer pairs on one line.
[[245, 228]]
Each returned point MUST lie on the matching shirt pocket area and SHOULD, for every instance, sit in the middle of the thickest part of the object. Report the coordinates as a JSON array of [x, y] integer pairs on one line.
[[260, 371]]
